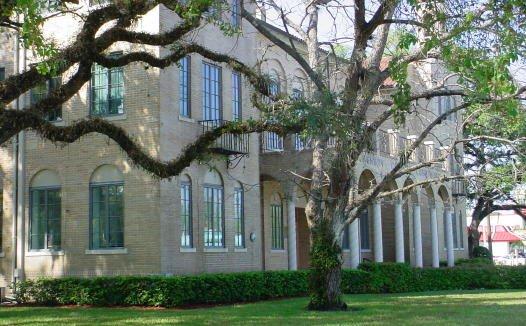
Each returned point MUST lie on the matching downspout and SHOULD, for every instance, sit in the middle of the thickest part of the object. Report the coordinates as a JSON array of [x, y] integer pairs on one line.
[[15, 169], [19, 169]]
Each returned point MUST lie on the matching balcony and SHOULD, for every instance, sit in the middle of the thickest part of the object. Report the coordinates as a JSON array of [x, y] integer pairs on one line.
[[271, 142], [226, 144]]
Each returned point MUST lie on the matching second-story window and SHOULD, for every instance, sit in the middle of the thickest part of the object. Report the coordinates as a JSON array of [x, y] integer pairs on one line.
[[235, 18], [236, 96], [44, 90], [107, 90], [212, 106], [184, 87], [446, 104]]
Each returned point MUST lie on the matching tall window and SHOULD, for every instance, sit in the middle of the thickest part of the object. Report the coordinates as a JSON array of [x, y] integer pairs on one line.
[[1, 211], [214, 209], [44, 90], [297, 88], [45, 212], [2, 73], [455, 234], [106, 208], [460, 231], [236, 96], [186, 213], [239, 217], [184, 87], [212, 106], [365, 238], [235, 18], [445, 104], [346, 238], [107, 90], [276, 215]]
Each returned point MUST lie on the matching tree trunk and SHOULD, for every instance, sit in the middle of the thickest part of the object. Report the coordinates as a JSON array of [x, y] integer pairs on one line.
[[326, 270], [473, 237]]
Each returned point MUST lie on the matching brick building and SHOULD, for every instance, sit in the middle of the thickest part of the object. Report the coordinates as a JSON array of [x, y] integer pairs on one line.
[[85, 210]]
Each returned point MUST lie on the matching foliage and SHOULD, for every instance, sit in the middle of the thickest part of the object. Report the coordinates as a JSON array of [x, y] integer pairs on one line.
[[481, 252], [174, 291], [474, 262]]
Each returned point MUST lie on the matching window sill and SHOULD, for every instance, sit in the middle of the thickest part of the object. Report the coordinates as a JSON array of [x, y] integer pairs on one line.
[[240, 249], [185, 119], [119, 251], [59, 123], [366, 250], [114, 117], [37, 253], [187, 250], [215, 250], [346, 250], [277, 251]]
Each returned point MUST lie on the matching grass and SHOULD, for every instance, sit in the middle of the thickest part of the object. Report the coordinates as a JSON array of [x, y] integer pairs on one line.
[[432, 308]]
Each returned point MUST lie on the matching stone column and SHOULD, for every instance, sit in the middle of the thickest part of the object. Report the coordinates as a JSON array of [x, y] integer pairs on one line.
[[291, 214], [399, 232], [434, 236], [377, 224], [417, 235], [449, 237], [354, 243]]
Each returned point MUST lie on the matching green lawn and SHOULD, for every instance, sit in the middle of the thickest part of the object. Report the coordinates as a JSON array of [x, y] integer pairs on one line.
[[445, 308]]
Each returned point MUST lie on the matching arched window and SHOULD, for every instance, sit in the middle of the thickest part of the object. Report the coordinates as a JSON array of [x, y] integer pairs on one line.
[[298, 90], [274, 84], [214, 210], [239, 216], [45, 211], [186, 212], [106, 208], [276, 216]]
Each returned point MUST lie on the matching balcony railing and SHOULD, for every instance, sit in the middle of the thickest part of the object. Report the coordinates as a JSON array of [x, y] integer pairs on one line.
[[271, 142], [382, 142], [227, 144]]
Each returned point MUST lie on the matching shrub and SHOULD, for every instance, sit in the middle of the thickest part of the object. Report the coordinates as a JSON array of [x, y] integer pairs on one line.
[[481, 252], [171, 291], [474, 262]]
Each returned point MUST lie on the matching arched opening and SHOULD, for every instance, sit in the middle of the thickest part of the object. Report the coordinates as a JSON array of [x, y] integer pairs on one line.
[[214, 210], [445, 201], [106, 208], [45, 211], [388, 223], [366, 182], [427, 202], [410, 198]]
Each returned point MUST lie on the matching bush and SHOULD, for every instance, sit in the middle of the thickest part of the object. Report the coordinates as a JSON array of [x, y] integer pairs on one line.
[[481, 252], [474, 262], [171, 291]]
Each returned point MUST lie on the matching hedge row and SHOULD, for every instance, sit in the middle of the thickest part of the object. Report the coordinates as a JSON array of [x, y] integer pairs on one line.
[[253, 286]]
